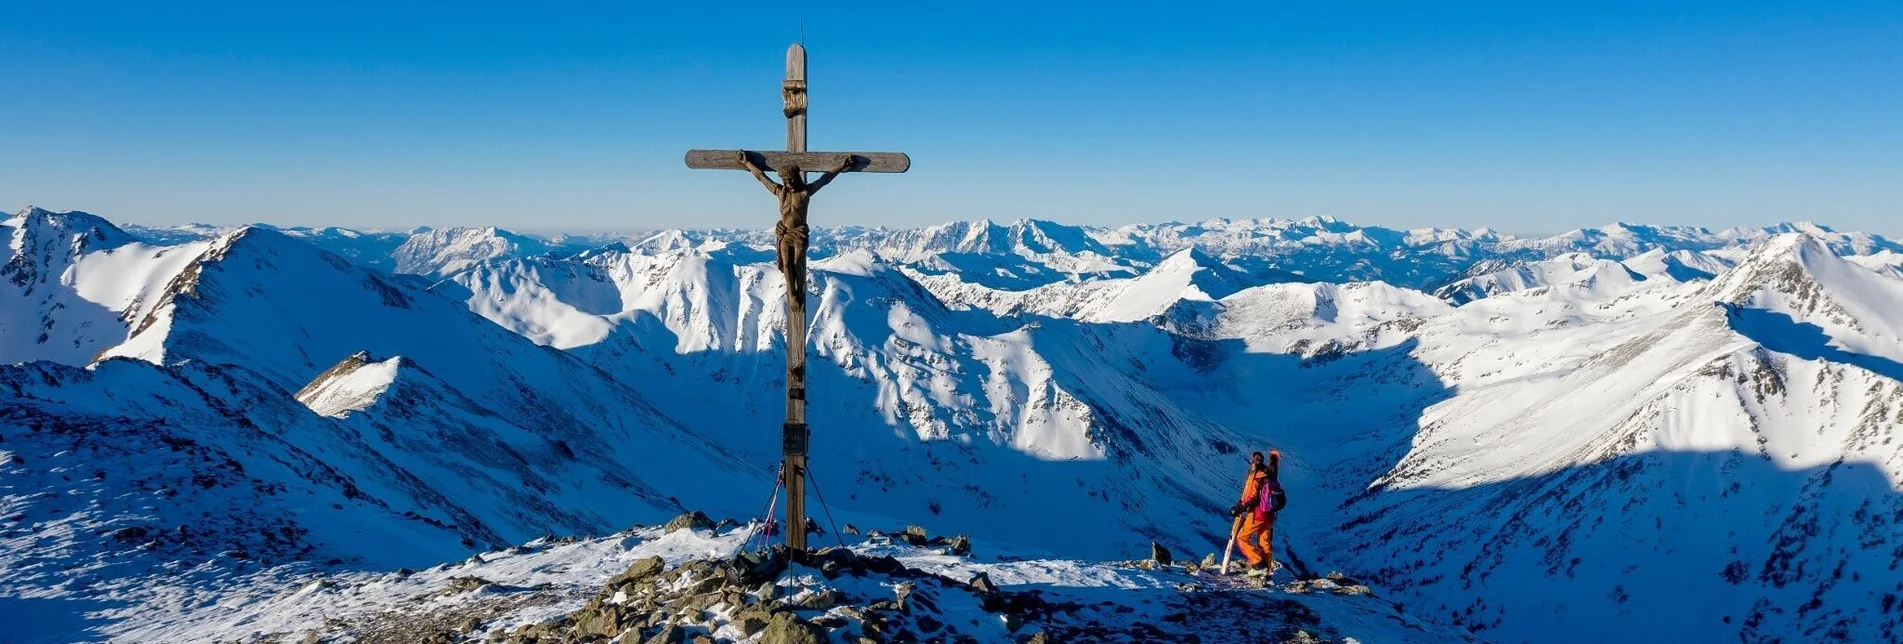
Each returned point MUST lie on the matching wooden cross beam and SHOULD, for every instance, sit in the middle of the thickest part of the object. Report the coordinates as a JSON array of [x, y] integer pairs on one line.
[[773, 161], [795, 195]]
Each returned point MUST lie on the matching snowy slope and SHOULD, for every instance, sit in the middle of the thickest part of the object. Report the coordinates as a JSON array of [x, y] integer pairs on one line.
[[1677, 265], [436, 252], [1886, 262], [1367, 385], [912, 393], [1618, 466], [1631, 416], [228, 309], [1577, 271], [73, 284]]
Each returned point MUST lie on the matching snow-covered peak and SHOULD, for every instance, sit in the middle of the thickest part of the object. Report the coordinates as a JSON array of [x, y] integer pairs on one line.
[[71, 282], [1187, 275], [1793, 294], [351, 385], [1887, 262], [442, 251], [1601, 277], [1677, 265], [71, 231], [861, 263]]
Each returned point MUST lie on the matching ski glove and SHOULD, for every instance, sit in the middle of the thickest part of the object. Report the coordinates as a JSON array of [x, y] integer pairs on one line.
[[1238, 510]]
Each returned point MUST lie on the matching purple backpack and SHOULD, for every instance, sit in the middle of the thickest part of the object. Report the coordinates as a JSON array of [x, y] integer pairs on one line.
[[1270, 500]]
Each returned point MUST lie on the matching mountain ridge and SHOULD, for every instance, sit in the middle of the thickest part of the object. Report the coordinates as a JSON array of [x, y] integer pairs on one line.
[[1537, 441]]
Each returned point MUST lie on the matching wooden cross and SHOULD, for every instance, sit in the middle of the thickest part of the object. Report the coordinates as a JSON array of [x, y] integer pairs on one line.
[[795, 194]]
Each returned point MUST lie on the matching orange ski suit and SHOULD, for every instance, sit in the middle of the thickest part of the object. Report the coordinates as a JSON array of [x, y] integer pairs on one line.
[[1255, 538]]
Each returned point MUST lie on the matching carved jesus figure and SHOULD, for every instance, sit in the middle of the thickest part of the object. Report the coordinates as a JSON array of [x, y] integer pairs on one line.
[[795, 195]]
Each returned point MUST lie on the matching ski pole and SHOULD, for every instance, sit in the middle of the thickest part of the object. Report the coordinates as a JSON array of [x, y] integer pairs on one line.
[[1234, 528]]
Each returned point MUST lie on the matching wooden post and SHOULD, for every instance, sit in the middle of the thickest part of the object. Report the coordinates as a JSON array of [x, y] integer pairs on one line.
[[795, 434], [793, 94]]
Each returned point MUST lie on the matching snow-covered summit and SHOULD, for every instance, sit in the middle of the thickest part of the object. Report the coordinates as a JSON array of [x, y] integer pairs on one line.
[[439, 252], [353, 384], [1578, 271]]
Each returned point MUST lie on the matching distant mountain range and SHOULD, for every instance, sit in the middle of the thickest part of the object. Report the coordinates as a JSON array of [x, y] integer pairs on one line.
[[1622, 433]]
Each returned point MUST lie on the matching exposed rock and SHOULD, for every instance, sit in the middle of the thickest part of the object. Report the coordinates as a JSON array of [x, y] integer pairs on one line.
[[690, 521], [902, 592], [914, 535], [640, 570], [787, 628], [982, 583], [821, 600], [776, 596], [850, 529], [752, 620], [1160, 554], [465, 584], [669, 634], [604, 621], [961, 546]]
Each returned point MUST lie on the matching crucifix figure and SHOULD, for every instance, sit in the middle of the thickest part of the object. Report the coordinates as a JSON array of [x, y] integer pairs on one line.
[[795, 195], [790, 235]]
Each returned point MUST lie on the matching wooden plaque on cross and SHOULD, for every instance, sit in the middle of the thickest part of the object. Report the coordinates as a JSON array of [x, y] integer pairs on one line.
[[790, 234]]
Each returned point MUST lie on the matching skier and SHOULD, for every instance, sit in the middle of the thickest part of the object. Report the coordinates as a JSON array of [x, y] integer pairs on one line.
[[1262, 497]]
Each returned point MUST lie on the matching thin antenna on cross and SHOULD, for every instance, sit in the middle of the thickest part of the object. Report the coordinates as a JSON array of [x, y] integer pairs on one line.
[[802, 31]]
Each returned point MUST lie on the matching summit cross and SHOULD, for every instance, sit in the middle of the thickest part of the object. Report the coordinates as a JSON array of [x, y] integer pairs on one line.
[[790, 237]]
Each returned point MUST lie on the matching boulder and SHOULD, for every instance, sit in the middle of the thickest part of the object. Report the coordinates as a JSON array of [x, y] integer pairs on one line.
[[669, 634], [850, 529], [915, 535], [787, 628], [752, 620], [640, 570], [691, 521], [821, 600], [884, 564], [902, 592], [463, 584], [961, 546], [982, 584], [1160, 555], [604, 621]]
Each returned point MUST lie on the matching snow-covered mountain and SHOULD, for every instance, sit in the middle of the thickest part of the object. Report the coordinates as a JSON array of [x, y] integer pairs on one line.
[[1627, 432], [1027, 253], [1572, 270]]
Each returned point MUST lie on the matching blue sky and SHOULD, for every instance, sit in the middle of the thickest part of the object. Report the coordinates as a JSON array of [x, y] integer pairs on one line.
[[1522, 116]]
